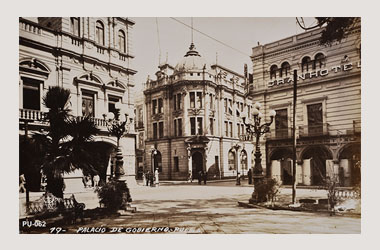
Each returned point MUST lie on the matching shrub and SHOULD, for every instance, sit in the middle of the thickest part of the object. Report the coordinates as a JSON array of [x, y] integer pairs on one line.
[[266, 190], [114, 195]]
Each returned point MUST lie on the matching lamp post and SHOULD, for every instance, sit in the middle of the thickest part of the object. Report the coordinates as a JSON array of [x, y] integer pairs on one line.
[[256, 128], [236, 147], [153, 152], [117, 124]]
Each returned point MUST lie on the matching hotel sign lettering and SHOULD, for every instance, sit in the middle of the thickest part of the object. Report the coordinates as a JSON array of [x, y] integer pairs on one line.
[[314, 74]]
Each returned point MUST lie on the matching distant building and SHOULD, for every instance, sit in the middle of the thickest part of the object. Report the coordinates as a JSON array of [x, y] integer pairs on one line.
[[91, 57], [193, 120], [328, 115]]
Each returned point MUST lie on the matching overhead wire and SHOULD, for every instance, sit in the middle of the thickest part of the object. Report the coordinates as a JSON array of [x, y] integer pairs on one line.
[[215, 39]]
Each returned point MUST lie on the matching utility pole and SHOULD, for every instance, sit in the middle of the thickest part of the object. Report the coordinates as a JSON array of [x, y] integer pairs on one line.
[[294, 137]]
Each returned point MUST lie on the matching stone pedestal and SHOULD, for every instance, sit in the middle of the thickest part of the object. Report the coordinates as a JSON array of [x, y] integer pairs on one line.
[[306, 167]]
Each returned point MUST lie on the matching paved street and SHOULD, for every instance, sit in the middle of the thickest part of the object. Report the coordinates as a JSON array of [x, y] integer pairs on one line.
[[214, 209]]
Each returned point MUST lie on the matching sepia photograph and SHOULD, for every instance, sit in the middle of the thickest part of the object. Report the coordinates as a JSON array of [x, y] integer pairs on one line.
[[189, 125]]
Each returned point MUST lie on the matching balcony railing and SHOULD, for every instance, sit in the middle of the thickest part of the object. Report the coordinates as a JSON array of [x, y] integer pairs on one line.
[[284, 133], [39, 116], [314, 130]]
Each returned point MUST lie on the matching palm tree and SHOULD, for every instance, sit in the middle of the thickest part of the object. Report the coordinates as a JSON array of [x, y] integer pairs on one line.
[[67, 141]]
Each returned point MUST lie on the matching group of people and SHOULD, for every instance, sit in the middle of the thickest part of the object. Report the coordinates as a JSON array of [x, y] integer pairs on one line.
[[150, 179], [89, 181]]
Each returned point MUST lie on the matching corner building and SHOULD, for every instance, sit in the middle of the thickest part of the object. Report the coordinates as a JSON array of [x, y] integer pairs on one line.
[[90, 56], [328, 110], [193, 120]]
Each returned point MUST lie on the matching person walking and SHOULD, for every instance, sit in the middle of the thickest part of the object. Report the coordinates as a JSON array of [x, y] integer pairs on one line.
[[144, 179], [200, 176], [205, 177], [96, 179], [22, 181], [156, 178]]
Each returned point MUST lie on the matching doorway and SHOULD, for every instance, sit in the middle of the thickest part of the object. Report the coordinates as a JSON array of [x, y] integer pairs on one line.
[[197, 162]]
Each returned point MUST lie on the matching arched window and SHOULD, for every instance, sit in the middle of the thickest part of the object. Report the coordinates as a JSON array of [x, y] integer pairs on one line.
[[122, 41], [319, 61], [74, 27], [99, 33], [231, 160], [285, 69], [273, 71], [306, 64]]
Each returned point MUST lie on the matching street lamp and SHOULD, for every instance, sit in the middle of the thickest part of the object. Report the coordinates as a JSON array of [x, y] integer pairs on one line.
[[236, 147], [117, 124], [153, 152], [255, 128]]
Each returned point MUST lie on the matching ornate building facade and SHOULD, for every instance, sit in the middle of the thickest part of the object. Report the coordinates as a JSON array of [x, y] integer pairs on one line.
[[328, 110], [193, 115], [89, 56]]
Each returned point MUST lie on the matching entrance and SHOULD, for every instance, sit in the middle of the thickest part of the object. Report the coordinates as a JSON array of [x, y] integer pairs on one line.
[[318, 156], [197, 162]]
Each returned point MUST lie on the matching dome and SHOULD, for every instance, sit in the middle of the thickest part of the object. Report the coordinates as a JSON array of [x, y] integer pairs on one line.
[[191, 62]]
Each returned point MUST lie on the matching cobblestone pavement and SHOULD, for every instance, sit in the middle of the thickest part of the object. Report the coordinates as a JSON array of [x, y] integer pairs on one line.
[[214, 209]]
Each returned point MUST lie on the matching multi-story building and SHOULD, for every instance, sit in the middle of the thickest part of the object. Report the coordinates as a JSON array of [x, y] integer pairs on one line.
[[193, 115], [139, 129], [328, 109], [92, 58]]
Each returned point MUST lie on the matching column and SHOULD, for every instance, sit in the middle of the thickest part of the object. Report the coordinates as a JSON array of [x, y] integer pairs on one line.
[[330, 169], [306, 172], [345, 165], [299, 173], [276, 170]]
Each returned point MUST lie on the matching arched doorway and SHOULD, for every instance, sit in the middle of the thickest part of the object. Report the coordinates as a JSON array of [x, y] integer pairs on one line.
[[243, 162], [318, 156], [158, 162], [351, 155], [197, 163], [283, 158]]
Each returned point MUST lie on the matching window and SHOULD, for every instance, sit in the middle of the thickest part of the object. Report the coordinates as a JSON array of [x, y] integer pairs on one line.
[[176, 164], [211, 126], [199, 100], [122, 41], [226, 128], [175, 128], [175, 102], [31, 94], [273, 72], [281, 123], [74, 27], [179, 101], [88, 104], [192, 100], [111, 104], [230, 106], [238, 129], [155, 130], [200, 125], [231, 160], [192, 125], [285, 69], [160, 106], [242, 129], [154, 107], [99, 33], [314, 118], [306, 64], [160, 129], [230, 129], [179, 124], [225, 105], [211, 101], [319, 61]]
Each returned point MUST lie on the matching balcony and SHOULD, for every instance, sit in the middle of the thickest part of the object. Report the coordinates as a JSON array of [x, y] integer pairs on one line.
[[314, 130], [276, 134], [356, 127]]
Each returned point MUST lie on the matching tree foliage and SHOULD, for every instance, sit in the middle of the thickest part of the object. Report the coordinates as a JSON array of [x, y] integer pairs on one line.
[[336, 28]]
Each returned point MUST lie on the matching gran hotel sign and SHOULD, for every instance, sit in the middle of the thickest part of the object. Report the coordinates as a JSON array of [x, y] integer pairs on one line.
[[316, 74]]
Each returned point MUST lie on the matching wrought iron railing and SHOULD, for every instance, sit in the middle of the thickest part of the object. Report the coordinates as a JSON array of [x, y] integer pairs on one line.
[[314, 130]]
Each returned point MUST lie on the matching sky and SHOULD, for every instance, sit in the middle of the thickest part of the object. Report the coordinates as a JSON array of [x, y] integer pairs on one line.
[[240, 33]]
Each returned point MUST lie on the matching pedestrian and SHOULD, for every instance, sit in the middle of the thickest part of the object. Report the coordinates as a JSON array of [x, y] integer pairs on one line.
[[190, 177], [250, 176], [156, 178], [151, 179], [205, 177], [200, 175], [22, 183], [144, 178], [96, 180]]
